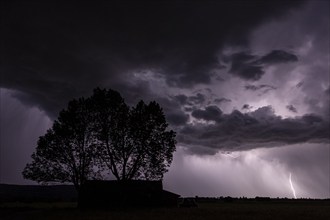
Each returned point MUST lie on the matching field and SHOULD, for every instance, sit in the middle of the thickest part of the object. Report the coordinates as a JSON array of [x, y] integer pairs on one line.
[[218, 210]]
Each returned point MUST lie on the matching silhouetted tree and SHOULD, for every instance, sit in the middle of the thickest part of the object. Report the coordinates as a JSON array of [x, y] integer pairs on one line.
[[132, 143], [102, 133], [153, 144], [65, 153], [111, 129]]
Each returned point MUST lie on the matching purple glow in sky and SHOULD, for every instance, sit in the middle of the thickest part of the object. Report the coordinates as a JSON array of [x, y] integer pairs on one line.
[[245, 84]]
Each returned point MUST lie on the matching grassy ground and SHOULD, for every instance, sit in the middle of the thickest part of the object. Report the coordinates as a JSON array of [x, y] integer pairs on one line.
[[236, 210]]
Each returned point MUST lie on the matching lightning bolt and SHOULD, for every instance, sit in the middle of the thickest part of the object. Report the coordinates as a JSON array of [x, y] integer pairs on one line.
[[292, 188]]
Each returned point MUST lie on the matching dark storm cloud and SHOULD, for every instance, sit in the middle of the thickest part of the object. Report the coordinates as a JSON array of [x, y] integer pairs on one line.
[[247, 107], [221, 100], [251, 67], [242, 65], [196, 99], [182, 99], [192, 100], [292, 108], [54, 51], [210, 113], [177, 118], [277, 56], [260, 128], [259, 87], [300, 84], [327, 92]]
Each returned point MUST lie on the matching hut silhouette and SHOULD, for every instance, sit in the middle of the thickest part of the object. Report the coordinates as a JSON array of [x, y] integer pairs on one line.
[[132, 193]]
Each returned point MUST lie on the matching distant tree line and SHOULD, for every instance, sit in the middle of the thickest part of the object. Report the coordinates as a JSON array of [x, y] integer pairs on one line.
[[99, 135]]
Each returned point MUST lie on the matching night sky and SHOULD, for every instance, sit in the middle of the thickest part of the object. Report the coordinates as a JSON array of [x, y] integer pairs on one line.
[[245, 84]]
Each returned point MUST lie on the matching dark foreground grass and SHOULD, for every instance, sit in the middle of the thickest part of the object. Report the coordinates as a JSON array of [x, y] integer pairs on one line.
[[237, 210]]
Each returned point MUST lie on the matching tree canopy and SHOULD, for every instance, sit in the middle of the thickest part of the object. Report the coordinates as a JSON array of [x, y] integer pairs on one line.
[[102, 133], [65, 152]]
